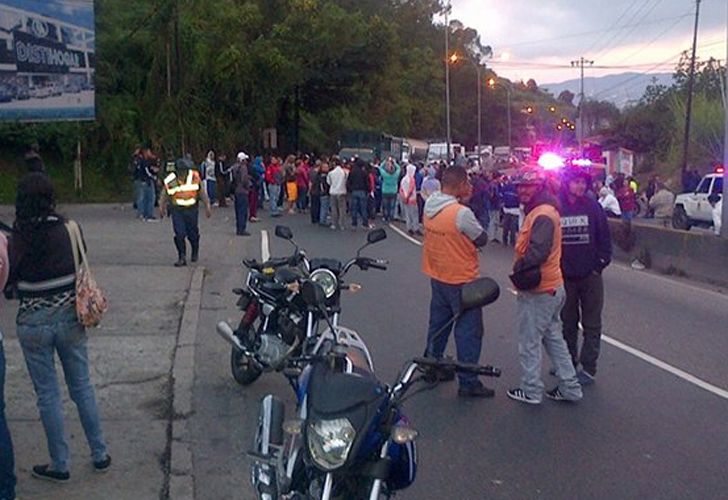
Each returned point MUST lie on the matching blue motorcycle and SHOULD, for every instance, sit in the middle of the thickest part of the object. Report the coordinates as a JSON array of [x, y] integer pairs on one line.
[[350, 439]]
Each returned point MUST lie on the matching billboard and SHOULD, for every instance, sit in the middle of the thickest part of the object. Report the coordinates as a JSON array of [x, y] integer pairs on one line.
[[47, 60]]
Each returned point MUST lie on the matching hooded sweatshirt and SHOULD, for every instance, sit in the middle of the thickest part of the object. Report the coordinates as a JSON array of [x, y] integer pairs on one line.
[[452, 234], [408, 187], [586, 242], [430, 185]]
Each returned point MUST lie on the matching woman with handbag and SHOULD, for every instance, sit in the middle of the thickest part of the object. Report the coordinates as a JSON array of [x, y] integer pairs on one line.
[[44, 273]]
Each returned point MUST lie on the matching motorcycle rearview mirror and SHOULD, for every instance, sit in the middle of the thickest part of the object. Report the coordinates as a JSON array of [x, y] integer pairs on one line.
[[284, 232], [313, 294], [376, 236], [373, 237], [479, 293]]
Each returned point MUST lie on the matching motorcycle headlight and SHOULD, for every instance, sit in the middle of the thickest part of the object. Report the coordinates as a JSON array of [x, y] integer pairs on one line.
[[329, 442], [326, 280]]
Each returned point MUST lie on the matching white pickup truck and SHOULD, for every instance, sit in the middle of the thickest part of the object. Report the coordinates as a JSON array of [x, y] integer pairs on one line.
[[692, 209]]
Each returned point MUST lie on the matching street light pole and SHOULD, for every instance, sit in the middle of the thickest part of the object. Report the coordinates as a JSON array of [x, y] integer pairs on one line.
[[480, 110], [510, 129], [447, 77]]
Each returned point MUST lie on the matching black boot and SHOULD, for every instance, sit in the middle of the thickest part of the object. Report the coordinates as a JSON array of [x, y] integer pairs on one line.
[[181, 252]]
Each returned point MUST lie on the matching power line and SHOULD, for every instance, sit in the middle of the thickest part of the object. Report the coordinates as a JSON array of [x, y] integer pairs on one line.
[[624, 13], [584, 33], [660, 35], [617, 38]]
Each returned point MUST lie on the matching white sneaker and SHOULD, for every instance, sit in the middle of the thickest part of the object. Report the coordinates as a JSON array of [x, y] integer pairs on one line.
[[521, 396]]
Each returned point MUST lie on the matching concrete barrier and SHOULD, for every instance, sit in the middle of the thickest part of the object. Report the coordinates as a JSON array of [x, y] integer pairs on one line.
[[698, 256]]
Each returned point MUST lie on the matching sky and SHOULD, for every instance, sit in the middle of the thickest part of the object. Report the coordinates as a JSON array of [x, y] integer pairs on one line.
[[78, 12], [539, 38]]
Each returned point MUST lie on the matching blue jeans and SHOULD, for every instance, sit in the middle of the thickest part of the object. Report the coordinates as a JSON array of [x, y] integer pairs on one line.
[[241, 212], [7, 458], [274, 191], [388, 203], [138, 198], [444, 305], [325, 209], [359, 208], [147, 199], [211, 190], [627, 215], [42, 334]]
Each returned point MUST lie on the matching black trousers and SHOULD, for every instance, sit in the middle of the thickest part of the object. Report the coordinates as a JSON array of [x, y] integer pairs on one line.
[[315, 208], [584, 303], [185, 222]]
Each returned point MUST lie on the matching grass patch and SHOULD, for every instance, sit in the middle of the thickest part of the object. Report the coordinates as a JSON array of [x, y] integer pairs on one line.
[[99, 185]]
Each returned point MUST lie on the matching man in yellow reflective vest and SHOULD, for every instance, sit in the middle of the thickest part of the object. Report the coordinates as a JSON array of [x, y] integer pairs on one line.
[[182, 192]]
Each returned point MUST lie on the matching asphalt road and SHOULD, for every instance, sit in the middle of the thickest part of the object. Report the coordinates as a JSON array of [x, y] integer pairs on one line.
[[641, 430]]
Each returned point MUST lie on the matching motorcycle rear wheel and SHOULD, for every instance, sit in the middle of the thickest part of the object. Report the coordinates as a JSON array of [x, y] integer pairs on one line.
[[244, 371]]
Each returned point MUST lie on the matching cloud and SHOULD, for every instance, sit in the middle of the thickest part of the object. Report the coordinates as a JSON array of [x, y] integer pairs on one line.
[[554, 32]]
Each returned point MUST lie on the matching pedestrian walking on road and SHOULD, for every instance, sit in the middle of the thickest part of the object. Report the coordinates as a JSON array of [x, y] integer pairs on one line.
[[256, 171], [389, 171], [537, 275], [325, 198], [337, 191], [222, 180], [357, 184], [586, 252], [314, 191], [183, 190], [289, 170], [148, 177], [626, 197], [450, 259], [242, 187], [430, 185], [408, 198], [303, 175], [7, 456], [274, 177], [207, 170], [511, 213], [43, 275], [609, 203]]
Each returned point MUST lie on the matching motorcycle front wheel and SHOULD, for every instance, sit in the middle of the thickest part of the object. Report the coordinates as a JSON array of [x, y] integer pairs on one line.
[[244, 370]]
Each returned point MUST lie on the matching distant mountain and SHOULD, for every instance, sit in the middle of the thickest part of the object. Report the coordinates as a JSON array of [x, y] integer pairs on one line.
[[621, 89]]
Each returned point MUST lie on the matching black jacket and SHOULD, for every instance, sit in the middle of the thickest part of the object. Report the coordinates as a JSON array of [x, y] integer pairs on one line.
[[358, 180], [586, 240]]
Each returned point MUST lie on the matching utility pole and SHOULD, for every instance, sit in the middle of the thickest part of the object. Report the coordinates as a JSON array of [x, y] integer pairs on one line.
[[691, 82], [580, 128], [724, 215], [448, 8]]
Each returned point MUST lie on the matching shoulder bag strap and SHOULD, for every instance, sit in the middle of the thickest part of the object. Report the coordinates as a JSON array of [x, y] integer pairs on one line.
[[79, 252]]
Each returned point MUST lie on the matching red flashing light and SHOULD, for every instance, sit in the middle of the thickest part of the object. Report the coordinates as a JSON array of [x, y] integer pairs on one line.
[[720, 169]]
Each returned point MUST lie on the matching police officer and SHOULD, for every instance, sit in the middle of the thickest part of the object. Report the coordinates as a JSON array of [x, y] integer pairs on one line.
[[183, 190]]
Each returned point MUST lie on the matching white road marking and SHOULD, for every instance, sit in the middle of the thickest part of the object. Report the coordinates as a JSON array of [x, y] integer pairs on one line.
[[405, 235], [668, 368], [692, 379], [264, 246]]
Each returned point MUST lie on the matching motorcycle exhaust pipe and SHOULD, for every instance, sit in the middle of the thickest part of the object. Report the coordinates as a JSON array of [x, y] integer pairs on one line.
[[226, 332]]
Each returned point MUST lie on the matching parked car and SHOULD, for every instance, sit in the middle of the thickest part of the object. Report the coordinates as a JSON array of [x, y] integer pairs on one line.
[[692, 209], [6, 93], [22, 93], [40, 92]]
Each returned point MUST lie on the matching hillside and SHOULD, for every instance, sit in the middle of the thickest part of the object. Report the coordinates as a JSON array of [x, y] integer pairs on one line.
[[621, 89]]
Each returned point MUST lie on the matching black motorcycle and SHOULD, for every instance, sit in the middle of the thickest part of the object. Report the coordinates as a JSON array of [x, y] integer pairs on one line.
[[350, 439], [277, 324]]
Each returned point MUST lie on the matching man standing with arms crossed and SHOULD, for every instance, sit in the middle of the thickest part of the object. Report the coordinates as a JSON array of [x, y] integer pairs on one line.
[[586, 251], [450, 259], [537, 275]]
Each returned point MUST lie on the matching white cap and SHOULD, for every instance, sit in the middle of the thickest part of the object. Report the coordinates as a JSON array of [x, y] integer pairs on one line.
[[242, 156]]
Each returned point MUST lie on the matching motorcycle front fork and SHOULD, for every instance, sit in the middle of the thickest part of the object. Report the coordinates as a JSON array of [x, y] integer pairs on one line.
[[376, 486]]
